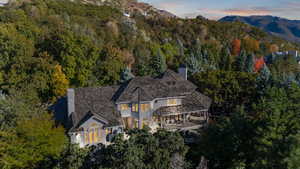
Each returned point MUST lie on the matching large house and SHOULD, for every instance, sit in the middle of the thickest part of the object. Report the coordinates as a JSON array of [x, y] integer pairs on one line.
[[168, 101]]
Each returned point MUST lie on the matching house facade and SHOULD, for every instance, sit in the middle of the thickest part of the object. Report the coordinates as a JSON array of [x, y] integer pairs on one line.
[[168, 101]]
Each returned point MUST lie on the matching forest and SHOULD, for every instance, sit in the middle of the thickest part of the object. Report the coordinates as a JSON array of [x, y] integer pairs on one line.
[[48, 46]]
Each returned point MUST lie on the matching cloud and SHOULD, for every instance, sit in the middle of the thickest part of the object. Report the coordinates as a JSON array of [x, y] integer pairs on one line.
[[183, 8], [245, 12], [291, 9]]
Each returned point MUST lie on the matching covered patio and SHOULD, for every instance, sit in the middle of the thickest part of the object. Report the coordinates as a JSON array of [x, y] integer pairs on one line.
[[174, 118]]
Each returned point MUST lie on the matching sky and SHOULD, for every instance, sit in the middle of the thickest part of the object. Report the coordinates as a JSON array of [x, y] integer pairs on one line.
[[215, 9]]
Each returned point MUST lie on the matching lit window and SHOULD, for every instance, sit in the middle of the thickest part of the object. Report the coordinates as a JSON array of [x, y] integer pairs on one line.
[[135, 107], [145, 107], [172, 102], [95, 135], [124, 107], [86, 136], [92, 136]]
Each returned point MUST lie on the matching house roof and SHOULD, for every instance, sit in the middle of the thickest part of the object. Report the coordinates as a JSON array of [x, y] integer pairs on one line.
[[98, 101], [101, 101], [170, 84], [192, 102]]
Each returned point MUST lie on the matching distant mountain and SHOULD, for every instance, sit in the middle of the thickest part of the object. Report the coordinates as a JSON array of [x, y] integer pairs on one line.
[[284, 28]]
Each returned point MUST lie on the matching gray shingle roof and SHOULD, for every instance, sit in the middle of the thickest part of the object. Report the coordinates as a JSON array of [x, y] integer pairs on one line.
[[170, 84], [101, 101], [97, 100], [192, 102]]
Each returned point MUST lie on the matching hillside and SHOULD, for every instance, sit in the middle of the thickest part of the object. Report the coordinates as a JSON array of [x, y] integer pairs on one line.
[[284, 28], [90, 42], [49, 46]]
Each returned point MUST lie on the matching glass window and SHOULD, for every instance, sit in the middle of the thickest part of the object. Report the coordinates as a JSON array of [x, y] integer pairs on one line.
[[124, 107], [145, 107], [91, 135], [172, 102], [95, 135], [135, 107], [86, 137]]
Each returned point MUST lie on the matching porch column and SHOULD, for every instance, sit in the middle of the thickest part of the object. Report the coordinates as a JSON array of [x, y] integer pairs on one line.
[[207, 117], [184, 118]]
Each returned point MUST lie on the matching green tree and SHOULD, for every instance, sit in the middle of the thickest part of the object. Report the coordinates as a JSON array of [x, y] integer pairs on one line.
[[158, 61], [76, 54], [28, 136], [231, 142], [241, 61], [111, 64], [294, 158], [142, 150], [226, 59], [73, 157], [227, 89], [249, 66], [279, 109]]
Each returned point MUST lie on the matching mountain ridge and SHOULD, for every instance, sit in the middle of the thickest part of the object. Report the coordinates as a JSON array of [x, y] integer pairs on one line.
[[281, 27]]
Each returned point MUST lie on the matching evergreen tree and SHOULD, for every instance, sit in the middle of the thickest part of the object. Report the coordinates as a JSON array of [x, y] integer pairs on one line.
[[226, 59], [249, 63], [279, 111], [193, 64], [126, 75], [294, 158], [240, 61], [265, 73], [264, 79], [158, 61], [229, 60]]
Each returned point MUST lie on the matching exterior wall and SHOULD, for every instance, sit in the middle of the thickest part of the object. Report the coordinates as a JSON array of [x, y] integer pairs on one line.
[[154, 105], [92, 125], [130, 113]]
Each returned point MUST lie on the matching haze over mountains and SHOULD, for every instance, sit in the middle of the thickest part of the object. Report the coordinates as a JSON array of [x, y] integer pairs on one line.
[[284, 28]]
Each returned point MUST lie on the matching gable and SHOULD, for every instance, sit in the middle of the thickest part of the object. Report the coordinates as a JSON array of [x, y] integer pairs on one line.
[[92, 122]]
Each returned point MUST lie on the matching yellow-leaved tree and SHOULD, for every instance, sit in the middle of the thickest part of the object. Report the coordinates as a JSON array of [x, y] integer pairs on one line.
[[60, 82]]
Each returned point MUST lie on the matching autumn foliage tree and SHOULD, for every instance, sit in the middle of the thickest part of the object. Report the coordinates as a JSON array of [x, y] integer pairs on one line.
[[250, 44], [259, 64], [60, 83], [274, 48], [236, 47]]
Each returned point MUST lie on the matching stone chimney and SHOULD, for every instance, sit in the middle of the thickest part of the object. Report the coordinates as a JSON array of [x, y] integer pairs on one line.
[[182, 70], [71, 101]]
